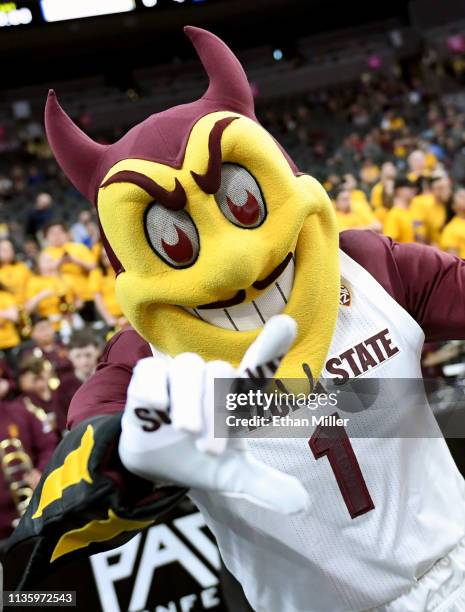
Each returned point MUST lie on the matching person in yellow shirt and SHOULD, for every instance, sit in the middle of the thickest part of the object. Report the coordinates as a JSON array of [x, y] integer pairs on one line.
[[102, 282], [49, 295], [359, 204], [421, 167], [419, 210], [399, 224], [369, 172], [382, 193], [94, 234], [345, 216], [441, 188], [14, 275], [453, 234], [9, 315], [430, 209], [75, 261]]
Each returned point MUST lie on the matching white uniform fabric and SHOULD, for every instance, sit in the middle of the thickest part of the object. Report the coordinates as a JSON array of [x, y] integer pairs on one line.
[[441, 589], [323, 560]]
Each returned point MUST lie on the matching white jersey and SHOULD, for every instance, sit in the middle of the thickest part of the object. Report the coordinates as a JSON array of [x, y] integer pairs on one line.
[[325, 559]]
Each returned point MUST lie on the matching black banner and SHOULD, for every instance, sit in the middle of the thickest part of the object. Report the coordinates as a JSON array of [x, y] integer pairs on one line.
[[172, 567]]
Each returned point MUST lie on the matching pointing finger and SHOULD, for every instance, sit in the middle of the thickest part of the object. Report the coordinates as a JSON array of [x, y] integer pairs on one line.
[[263, 356]]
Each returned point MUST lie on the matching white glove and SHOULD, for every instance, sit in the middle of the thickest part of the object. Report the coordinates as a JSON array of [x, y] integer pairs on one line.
[[167, 426]]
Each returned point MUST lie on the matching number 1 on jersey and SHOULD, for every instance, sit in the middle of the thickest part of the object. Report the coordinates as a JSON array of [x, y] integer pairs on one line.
[[333, 442]]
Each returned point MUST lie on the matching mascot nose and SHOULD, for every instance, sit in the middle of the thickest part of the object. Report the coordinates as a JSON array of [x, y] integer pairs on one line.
[[238, 263]]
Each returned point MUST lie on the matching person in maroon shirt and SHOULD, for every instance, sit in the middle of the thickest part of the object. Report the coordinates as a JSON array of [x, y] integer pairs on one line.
[[84, 349], [8, 384], [43, 392], [45, 343], [39, 442]]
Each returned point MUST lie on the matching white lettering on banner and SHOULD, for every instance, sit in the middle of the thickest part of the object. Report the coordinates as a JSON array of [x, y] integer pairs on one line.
[[191, 528], [163, 547], [187, 602], [171, 608], [210, 598], [107, 573]]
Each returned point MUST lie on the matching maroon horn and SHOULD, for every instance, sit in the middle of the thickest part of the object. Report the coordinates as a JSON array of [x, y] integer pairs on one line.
[[228, 86], [77, 154]]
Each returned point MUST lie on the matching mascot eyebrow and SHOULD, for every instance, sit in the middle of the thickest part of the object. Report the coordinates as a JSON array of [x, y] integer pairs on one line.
[[176, 199], [210, 181]]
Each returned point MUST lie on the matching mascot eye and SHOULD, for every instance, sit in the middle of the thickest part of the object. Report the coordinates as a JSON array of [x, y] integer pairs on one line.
[[172, 235], [239, 197]]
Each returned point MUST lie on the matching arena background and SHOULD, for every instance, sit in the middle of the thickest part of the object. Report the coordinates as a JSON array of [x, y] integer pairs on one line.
[[368, 97]]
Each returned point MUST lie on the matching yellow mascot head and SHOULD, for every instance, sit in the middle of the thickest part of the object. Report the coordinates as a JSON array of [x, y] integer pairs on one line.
[[209, 226]]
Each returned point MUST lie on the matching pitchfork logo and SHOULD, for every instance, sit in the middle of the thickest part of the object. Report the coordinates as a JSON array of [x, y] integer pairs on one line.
[[344, 296]]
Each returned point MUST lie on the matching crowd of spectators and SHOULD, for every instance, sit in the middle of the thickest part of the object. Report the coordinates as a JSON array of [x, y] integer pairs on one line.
[[57, 308], [391, 154], [389, 151]]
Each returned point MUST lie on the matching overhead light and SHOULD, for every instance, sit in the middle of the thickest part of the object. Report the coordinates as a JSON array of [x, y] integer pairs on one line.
[[277, 54], [57, 10], [15, 17]]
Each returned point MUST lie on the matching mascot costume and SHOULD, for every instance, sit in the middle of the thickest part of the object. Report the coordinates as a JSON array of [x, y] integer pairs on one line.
[[229, 264]]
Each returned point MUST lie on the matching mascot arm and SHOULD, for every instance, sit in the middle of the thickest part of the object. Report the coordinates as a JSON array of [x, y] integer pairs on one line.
[[434, 284], [86, 501], [425, 281]]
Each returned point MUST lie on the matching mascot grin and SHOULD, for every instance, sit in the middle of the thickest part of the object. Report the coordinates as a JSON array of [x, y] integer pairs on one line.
[[208, 223]]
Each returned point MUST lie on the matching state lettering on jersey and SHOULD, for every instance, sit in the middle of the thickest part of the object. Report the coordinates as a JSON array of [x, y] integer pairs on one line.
[[362, 357]]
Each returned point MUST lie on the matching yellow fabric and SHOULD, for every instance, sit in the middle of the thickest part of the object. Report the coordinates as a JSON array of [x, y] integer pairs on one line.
[[436, 219], [431, 214], [453, 236], [376, 199], [105, 284], [360, 207], [420, 205], [414, 176], [369, 174], [96, 250], [9, 336], [14, 278], [73, 470], [376, 196], [381, 214], [300, 217], [396, 124], [95, 531], [431, 160], [50, 306], [74, 274], [347, 221], [398, 225]]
